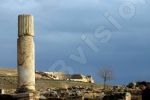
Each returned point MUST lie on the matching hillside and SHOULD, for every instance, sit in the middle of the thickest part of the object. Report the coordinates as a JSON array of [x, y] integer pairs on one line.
[[8, 72], [8, 81], [12, 72]]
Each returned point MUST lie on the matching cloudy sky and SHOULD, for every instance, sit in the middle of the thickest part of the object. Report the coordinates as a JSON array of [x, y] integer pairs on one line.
[[81, 36]]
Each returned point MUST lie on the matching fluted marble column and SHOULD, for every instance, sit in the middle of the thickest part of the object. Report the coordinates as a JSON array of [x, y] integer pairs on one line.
[[26, 54]]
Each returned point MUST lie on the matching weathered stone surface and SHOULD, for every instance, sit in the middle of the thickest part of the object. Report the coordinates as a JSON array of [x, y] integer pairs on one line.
[[25, 49], [26, 54], [2, 91], [25, 25]]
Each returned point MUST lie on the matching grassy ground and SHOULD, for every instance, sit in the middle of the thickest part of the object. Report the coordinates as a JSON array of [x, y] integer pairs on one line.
[[63, 84], [10, 82], [8, 72]]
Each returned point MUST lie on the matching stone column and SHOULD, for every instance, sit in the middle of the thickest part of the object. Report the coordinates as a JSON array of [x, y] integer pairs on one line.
[[26, 54]]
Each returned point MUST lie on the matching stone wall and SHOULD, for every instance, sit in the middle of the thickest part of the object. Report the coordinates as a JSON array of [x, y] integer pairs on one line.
[[118, 96]]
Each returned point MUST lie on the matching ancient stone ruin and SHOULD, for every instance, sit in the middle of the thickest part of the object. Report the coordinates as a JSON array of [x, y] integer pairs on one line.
[[26, 54], [25, 61], [26, 74]]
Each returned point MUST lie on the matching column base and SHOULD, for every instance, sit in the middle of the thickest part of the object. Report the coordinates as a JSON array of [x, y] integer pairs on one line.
[[20, 96], [25, 89]]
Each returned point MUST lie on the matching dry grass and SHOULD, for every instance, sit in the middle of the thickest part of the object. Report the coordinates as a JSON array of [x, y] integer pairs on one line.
[[8, 80], [8, 72]]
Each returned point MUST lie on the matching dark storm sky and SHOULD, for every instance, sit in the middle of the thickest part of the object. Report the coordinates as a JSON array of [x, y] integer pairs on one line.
[[81, 36]]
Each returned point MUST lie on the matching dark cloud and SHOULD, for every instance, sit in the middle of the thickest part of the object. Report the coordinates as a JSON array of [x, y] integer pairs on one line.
[[58, 29]]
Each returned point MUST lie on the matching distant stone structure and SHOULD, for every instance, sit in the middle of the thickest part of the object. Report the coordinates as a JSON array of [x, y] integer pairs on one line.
[[57, 75], [26, 54], [90, 79], [64, 76], [82, 78]]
